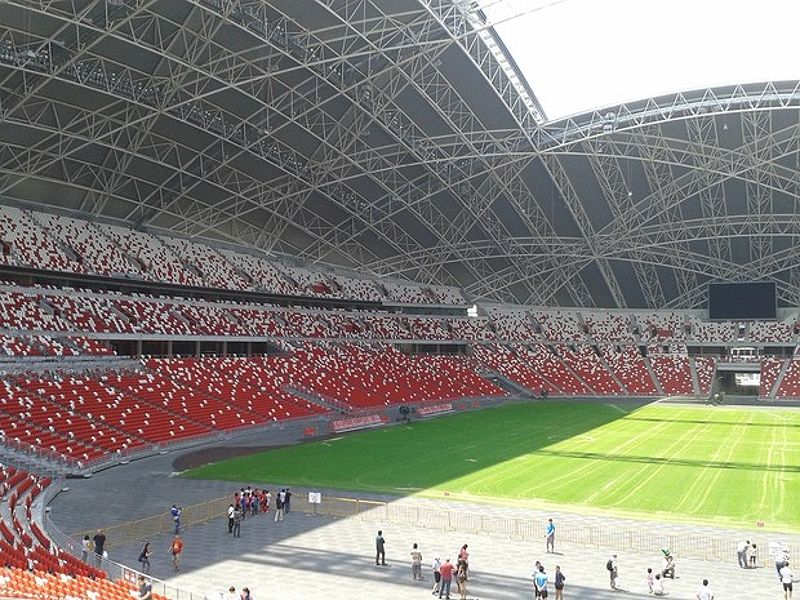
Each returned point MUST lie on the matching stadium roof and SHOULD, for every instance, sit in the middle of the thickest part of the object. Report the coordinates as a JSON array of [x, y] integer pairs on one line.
[[397, 137]]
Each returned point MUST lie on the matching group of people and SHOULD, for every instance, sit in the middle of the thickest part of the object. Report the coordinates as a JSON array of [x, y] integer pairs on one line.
[[175, 550], [747, 554], [250, 501]]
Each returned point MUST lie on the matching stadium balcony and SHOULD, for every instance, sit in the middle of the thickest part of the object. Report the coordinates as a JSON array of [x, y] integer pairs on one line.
[[153, 260], [472, 329], [661, 327], [216, 271], [263, 274], [560, 326], [779, 332], [630, 368], [93, 250], [513, 325], [50, 242], [608, 328], [708, 332]]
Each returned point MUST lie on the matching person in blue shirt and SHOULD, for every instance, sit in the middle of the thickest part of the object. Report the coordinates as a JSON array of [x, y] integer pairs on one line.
[[550, 536], [176, 516], [540, 583]]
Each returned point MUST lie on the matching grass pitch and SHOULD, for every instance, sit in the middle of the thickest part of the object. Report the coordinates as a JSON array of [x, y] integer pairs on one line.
[[721, 465]]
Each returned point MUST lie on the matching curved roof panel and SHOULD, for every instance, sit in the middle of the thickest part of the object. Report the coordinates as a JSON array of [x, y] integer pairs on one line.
[[387, 136]]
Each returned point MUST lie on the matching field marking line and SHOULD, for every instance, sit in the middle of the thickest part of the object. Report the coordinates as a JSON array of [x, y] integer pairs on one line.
[[666, 453], [700, 479], [748, 418], [616, 407], [628, 445]]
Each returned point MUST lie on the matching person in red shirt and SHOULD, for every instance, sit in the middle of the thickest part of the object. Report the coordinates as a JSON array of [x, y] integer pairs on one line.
[[446, 571], [176, 549]]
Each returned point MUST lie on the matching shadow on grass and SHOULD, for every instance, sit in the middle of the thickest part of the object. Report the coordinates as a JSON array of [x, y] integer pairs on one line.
[[422, 454]]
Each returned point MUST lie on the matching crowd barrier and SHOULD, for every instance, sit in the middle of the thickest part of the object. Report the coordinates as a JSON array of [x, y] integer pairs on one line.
[[587, 532]]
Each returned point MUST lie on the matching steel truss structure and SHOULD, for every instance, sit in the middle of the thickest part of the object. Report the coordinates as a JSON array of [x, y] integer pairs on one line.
[[393, 137]]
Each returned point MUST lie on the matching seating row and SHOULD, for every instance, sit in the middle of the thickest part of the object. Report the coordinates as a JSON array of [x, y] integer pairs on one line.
[[60, 243]]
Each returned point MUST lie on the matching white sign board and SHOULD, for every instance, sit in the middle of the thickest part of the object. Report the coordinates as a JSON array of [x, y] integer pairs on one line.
[[314, 497]]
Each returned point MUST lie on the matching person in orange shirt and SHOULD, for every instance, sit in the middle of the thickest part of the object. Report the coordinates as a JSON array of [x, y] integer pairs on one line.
[[176, 549]]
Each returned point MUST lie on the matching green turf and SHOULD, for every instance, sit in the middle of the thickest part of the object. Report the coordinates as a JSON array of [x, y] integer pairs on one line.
[[722, 465]]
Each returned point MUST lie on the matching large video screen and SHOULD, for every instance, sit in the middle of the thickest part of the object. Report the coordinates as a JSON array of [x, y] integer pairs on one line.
[[742, 301]]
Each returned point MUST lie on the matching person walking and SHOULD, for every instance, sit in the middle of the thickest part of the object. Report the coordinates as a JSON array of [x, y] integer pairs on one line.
[[558, 583], [99, 540], [176, 512], [416, 563], [613, 573], [705, 593], [446, 571], [550, 536], [781, 559], [176, 549], [279, 507], [436, 566], [231, 512], [741, 553], [380, 549], [86, 548], [287, 501], [463, 556], [144, 558], [461, 579], [238, 516], [787, 579], [540, 582]]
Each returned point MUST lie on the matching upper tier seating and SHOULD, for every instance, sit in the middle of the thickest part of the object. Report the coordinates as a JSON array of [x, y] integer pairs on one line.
[[59, 243], [770, 369], [779, 332], [214, 269], [516, 325], [93, 250], [23, 243], [661, 327], [560, 326], [714, 331], [471, 329], [608, 327], [153, 260], [630, 368]]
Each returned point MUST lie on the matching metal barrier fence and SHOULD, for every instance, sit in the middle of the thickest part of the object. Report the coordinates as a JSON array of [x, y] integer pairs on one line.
[[115, 571], [587, 532]]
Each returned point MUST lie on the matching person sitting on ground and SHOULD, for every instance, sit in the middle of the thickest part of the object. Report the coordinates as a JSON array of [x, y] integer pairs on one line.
[[658, 586], [669, 567]]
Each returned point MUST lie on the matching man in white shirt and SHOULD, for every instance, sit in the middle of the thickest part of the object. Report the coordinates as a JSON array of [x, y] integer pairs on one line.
[[231, 510], [705, 593], [741, 553], [786, 580]]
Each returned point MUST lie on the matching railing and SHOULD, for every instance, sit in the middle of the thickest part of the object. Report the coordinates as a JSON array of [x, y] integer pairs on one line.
[[114, 570], [585, 532]]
